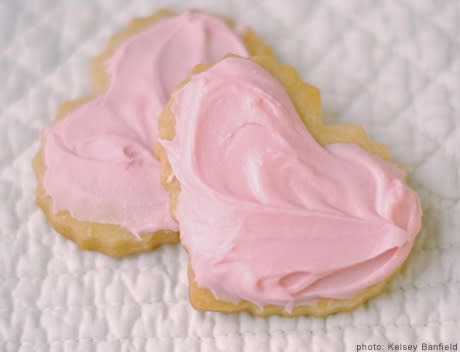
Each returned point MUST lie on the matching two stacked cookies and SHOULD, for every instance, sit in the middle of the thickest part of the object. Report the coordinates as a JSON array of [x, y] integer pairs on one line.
[[279, 213]]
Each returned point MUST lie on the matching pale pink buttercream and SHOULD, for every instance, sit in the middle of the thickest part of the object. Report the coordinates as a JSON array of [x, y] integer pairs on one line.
[[267, 214], [99, 159]]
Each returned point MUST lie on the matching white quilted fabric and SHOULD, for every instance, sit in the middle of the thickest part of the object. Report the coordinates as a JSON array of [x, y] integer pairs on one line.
[[392, 66]]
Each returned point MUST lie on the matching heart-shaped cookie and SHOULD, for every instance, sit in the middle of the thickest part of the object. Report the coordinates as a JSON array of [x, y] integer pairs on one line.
[[277, 217], [99, 181]]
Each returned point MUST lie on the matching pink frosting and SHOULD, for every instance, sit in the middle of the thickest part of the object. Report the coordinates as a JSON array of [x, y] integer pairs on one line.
[[269, 215], [99, 159]]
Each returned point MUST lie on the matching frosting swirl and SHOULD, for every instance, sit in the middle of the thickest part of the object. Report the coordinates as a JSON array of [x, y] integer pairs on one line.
[[99, 159], [267, 214]]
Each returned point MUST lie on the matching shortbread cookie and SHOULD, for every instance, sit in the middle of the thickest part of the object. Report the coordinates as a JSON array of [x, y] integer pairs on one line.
[[99, 181], [279, 213]]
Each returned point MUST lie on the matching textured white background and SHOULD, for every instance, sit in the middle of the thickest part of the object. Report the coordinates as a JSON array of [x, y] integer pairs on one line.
[[391, 66]]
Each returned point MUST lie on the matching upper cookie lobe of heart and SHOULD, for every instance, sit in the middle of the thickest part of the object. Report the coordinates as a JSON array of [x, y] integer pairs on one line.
[[100, 164]]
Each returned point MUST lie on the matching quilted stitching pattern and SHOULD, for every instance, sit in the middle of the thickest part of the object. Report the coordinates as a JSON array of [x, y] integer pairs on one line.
[[392, 66]]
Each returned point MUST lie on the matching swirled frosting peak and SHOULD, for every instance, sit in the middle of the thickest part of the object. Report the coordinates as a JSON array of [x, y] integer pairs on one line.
[[267, 214], [99, 159]]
